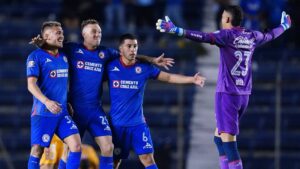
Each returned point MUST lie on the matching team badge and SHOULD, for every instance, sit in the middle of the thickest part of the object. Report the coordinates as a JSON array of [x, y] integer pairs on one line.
[[53, 73], [80, 64], [101, 55], [46, 138], [116, 84], [31, 64], [138, 70], [65, 59]]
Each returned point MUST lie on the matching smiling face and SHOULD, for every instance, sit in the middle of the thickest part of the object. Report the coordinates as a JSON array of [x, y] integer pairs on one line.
[[54, 36], [92, 34], [128, 50]]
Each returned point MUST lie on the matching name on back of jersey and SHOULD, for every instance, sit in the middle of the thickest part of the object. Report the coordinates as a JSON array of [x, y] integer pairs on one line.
[[242, 42], [125, 84], [97, 67]]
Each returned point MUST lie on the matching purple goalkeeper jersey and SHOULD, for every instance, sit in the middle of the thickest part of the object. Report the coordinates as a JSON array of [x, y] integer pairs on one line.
[[236, 49]]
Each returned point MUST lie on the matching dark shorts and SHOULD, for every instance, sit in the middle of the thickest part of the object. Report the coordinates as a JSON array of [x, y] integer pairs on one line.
[[228, 111], [43, 128], [137, 138], [92, 119]]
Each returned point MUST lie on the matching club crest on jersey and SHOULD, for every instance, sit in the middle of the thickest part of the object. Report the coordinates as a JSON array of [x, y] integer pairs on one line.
[[138, 70], [46, 138], [116, 84], [80, 64], [101, 55], [53, 73], [31, 64], [65, 59]]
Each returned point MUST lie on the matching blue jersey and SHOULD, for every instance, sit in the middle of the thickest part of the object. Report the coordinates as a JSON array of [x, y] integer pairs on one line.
[[86, 72], [127, 85], [52, 74]]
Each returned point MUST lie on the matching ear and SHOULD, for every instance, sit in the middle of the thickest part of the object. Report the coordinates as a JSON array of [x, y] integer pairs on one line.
[[228, 20]]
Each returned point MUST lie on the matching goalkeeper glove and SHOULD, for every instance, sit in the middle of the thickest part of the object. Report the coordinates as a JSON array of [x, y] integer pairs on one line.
[[168, 26], [285, 21]]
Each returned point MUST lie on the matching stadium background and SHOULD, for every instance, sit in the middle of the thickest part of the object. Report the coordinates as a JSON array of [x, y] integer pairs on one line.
[[180, 117]]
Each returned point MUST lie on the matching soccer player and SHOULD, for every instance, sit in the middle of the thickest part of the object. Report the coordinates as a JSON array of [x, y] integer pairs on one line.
[[47, 80], [127, 79], [87, 61], [234, 84], [59, 151]]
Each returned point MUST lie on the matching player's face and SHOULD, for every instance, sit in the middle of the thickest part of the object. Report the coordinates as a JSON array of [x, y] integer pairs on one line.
[[54, 36], [226, 20], [129, 49], [92, 34]]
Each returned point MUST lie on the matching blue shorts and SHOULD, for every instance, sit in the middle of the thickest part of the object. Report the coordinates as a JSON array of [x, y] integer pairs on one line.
[[136, 137], [92, 119], [44, 127], [228, 110]]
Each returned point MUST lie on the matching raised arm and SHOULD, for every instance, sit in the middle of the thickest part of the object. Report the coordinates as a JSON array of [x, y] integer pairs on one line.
[[181, 79], [262, 38], [198, 36], [51, 105]]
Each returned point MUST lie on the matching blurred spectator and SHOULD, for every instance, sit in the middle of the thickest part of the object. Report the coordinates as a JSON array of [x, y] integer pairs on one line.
[[145, 19], [115, 16], [252, 13], [174, 11], [71, 28], [274, 9]]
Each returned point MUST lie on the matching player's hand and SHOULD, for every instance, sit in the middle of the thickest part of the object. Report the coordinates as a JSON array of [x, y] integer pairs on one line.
[[163, 62], [199, 80], [286, 22], [38, 41], [53, 106], [70, 110], [168, 26]]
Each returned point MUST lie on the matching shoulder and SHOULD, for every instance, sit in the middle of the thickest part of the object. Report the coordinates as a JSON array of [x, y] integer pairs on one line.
[[104, 48], [36, 53]]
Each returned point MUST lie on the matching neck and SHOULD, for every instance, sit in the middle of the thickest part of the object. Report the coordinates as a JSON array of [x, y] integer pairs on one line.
[[51, 50], [127, 62], [88, 46]]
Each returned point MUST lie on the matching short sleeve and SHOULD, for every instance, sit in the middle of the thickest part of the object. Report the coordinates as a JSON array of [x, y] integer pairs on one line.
[[113, 53], [153, 72], [32, 65]]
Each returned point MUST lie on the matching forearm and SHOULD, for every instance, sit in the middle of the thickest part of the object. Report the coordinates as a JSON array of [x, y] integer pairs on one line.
[[36, 92], [180, 79], [145, 58], [198, 36]]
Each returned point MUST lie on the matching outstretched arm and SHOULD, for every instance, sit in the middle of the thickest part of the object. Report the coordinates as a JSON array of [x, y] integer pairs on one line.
[[159, 61], [168, 27], [181, 79]]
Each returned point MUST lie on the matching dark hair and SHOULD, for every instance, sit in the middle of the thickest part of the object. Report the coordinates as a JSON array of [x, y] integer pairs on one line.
[[126, 36], [236, 13], [49, 24], [87, 22]]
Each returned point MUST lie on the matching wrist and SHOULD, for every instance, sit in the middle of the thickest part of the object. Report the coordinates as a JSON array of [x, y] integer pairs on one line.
[[179, 31], [45, 100], [285, 26]]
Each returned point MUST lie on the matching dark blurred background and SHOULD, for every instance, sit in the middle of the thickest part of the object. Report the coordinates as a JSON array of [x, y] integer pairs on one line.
[[181, 118]]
